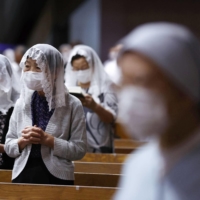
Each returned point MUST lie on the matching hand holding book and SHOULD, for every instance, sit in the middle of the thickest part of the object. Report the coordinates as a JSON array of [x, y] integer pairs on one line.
[[77, 91], [105, 115], [89, 102]]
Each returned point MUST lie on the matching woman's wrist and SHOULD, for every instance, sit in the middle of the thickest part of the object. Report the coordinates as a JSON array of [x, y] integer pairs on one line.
[[21, 144], [95, 107], [104, 114], [48, 140]]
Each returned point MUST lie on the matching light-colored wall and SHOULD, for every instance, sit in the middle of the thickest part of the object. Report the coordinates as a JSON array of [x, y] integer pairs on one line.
[[85, 24]]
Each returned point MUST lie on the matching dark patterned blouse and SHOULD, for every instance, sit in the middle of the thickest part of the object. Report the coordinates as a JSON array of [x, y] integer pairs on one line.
[[6, 162], [2, 124], [40, 117]]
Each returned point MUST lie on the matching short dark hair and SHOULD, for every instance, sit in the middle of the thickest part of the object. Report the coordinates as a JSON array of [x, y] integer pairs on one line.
[[76, 57]]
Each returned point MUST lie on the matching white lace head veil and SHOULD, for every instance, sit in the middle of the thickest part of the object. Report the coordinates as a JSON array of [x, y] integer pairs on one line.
[[100, 81], [50, 61], [6, 100]]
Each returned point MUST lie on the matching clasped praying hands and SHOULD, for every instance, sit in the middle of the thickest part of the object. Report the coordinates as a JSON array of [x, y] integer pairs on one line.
[[35, 135]]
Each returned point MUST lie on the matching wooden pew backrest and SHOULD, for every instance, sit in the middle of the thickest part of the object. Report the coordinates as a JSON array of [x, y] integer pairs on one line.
[[98, 167], [52, 192], [84, 179], [107, 158]]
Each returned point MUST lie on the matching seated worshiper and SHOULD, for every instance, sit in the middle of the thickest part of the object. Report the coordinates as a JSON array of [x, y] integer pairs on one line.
[[47, 128], [111, 67], [85, 69], [16, 69], [65, 50], [159, 100], [19, 52], [8, 97]]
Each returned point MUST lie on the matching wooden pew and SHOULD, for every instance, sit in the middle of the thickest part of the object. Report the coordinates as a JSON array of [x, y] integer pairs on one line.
[[108, 158], [51, 192], [94, 179], [84, 179], [120, 132], [124, 150], [125, 146], [127, 143], [98, 167]]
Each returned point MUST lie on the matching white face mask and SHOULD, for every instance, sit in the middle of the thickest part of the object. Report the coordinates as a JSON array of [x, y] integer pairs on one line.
[[33, 80], [84, 76], [142, 113]]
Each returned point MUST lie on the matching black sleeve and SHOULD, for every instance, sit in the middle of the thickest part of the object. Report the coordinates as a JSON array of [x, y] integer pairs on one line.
[[7, 161], [6, 126]]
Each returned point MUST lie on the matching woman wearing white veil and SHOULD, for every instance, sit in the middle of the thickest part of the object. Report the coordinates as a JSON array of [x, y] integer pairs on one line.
[[16, 69], [85, 69], [47, 127], [7, 100], [7, 97]]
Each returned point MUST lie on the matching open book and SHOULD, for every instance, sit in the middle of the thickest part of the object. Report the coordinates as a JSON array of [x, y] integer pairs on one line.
[[76, 91]]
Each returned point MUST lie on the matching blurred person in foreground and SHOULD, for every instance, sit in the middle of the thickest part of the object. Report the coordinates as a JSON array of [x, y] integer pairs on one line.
[[85, 69], [111, 67], [159, 101], [8, 97]]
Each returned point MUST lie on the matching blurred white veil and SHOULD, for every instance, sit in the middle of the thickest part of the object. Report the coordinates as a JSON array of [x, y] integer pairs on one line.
[[7, 99]]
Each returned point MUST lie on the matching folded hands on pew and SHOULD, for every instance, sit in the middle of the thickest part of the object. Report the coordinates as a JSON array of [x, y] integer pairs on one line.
[[35, 135]]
